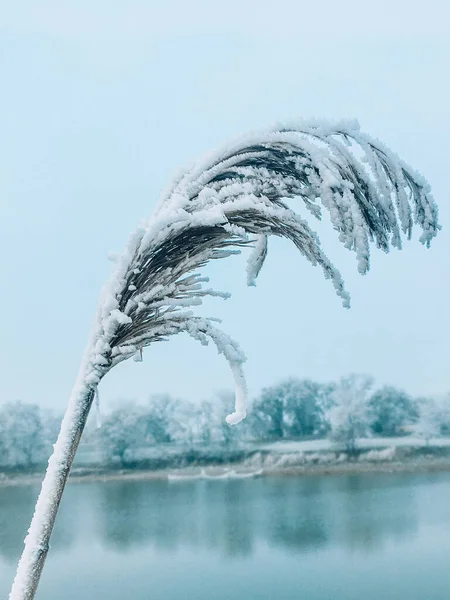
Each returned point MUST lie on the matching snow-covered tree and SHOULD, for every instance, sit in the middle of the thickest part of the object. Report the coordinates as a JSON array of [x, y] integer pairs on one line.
[[183, 423], [306, 402], [23, 434], [232, 199], [3, 446], [268, 413], [161, 419], [442, 404], [122, 432], [432, 412], [391, 409], [349, 418], [206, 423], [292, 408]]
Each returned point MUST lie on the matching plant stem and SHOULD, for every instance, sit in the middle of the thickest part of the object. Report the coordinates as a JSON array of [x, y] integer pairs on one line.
[[37, 542]]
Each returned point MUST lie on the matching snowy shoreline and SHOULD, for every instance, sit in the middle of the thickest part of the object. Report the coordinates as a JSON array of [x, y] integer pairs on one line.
[[423, 464]]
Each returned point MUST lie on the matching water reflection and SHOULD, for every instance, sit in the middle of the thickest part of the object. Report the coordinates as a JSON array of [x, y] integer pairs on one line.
[[369, 517], [16, 509], [140, 513], [205, 514], [301, 522], [229, 518]]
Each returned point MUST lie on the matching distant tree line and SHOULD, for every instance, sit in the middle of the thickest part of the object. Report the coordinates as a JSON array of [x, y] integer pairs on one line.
[[344, 411], [295, 409]]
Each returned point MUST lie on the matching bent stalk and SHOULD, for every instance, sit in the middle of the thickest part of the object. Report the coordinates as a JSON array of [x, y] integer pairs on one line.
[[231, 199], [37, 542]]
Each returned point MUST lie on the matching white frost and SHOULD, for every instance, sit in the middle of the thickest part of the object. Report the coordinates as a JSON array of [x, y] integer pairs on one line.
[[210, 211]]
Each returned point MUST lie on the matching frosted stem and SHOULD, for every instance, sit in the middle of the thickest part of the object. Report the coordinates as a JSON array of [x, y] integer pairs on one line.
[[38, 539]]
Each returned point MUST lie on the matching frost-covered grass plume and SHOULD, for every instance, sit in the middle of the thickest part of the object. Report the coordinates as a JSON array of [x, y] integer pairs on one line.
[[233, 198]]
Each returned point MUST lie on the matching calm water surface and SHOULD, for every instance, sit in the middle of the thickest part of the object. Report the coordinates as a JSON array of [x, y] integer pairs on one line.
[[336, 537]]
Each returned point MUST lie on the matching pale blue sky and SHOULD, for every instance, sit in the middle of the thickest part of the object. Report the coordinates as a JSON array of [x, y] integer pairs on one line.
[[101, 101]]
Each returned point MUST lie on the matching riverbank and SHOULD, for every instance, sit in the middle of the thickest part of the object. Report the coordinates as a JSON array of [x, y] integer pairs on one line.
[[267, 464]]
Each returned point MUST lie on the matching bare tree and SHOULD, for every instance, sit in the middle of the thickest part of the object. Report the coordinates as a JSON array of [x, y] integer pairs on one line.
[[221, 204]]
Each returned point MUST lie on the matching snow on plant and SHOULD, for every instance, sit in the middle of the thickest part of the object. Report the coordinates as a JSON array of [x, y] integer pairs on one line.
[[230, 200]]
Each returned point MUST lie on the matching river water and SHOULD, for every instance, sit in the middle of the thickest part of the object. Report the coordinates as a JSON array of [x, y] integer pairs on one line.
[[358, 537]]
